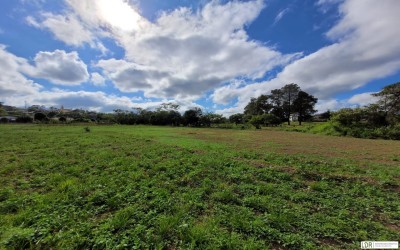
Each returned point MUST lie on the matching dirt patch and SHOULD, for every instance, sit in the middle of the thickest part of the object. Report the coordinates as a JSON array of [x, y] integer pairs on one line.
[[362, 151]]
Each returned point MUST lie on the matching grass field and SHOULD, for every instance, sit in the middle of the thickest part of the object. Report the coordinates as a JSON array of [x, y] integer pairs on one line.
[[138, 187]]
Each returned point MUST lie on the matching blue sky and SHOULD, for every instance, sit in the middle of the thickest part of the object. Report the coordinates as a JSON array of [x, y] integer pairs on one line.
[[103, 55]]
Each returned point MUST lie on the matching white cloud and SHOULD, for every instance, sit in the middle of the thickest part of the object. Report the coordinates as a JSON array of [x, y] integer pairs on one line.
[[96, 101], [359, 56], [12, 81], [127, 77], [97, 79], [365, 48], [330, 104], [118, 14], [99, 101], [357, 100], [325, 5], [280, 15], [59, 67], [363, 99], [183, 54], [65, 28]]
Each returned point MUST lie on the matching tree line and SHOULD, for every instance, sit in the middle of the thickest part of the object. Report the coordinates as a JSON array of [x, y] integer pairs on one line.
[[165, 114], [271, 109], [286, 104]]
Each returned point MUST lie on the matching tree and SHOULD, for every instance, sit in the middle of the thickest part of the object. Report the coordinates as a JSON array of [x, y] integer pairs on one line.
[[282, 101], [125, 117], [175, 117], [265, 119], [36, 108], [276, 97], [375, 116], [236, 118], [4, 120], [389, 101], [257, 121], [40, 117], [258, 106], [192, 116], [168, 106], [216, 118], [348, 117], [304, 105], [270, 120], [289, 95], [24, 119]]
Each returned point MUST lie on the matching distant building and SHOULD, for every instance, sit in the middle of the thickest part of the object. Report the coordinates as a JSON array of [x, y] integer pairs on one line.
[[65, 111], [294, 117], [9, 118]]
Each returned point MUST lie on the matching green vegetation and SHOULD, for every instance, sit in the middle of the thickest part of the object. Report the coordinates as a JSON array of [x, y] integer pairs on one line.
[[138, 187], [377, 120], [283, 103], [289, 103]]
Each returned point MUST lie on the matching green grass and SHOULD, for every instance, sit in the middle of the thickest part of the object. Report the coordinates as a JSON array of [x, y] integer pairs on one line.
[[138, 187]]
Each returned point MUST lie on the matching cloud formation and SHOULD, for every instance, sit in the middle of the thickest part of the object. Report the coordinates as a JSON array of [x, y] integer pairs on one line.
[[356, 56], [59, 67], [97, 79], [182, 54], [189, 53], [12, 80]]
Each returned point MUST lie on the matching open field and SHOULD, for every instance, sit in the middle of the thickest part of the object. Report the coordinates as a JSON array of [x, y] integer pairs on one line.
[[119, 187]]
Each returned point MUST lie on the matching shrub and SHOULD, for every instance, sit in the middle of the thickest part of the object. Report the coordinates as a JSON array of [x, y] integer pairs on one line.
[[24, 119], [271, 120], [40, 117], [348, 116], [394, 132], [256, 121], [4, 120]]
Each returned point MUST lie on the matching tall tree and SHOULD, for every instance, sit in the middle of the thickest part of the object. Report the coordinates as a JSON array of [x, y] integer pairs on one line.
[[304, 105], [258, 106], [290, 93], [192, 116], [276, 97], [236, 118], [389, 101], [283, 99]]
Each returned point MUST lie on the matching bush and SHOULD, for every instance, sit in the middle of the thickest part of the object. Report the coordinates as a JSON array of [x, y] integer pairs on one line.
[[271, 120], [394, 132], [24, 119], [4, 120], [62, 119], [40, 117], [257, 121], [348, 116], [52, 121]]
